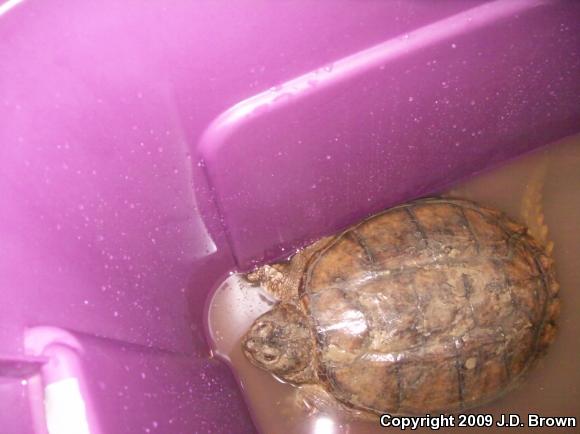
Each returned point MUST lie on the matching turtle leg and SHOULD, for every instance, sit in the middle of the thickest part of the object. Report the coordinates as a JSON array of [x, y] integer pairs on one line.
[[283, 279], [272, 278], [314, 399]]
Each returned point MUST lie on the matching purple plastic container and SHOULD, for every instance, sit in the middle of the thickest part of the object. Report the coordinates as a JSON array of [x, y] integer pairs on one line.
[[150, 148]]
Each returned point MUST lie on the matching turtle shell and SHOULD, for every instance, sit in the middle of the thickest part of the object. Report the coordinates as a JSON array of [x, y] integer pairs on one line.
[[433, 306]]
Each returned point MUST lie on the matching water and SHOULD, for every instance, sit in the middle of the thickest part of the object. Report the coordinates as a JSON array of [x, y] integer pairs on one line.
[[552, 387]]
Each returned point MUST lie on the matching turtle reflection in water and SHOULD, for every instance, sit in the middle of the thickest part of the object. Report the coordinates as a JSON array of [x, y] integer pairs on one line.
[[438, 305]]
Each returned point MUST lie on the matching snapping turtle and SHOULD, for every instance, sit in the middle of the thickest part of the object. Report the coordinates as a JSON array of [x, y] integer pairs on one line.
[[437, 305]]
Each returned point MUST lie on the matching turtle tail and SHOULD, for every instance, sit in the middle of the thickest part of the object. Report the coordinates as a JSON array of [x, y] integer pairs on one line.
[[532, 213], [531, 208]]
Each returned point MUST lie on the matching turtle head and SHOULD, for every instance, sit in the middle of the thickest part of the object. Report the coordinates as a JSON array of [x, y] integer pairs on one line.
[[281, 342]]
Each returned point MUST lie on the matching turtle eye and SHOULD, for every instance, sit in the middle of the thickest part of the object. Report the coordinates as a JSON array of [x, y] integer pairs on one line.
[[270, 355], [264, 329]]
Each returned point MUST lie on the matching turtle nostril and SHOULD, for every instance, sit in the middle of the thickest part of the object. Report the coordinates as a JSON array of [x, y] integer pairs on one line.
[[250, 345]]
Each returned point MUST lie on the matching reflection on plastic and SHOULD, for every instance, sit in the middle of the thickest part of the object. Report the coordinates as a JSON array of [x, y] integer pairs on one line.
[[65, 408], [9, 5], [342, 69], [324, 425]]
